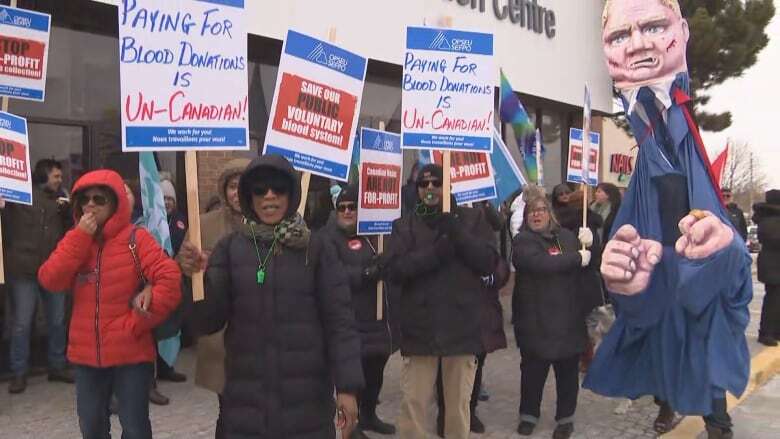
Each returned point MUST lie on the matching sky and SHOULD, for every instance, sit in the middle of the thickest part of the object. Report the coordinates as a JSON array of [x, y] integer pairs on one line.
[[754, 102]]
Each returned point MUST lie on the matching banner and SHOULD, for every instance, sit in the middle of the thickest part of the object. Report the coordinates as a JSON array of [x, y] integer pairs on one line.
[[447, 90], [471, 176], [575, 161], [24, 53], [15, 173], [316, 106], [183, 70], [380, 181], [507, 174]]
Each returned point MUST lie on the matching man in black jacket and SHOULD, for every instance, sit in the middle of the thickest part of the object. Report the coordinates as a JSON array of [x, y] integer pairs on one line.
[[767, 216], [438, 260], [736, 215]]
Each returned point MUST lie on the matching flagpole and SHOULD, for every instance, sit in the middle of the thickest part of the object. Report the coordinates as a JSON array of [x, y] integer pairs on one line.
[[585, 161]]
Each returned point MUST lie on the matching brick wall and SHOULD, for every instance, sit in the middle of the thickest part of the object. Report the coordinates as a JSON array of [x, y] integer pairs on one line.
[[210, 164]]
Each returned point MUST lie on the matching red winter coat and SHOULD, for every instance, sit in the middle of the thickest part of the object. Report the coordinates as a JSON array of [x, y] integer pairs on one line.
[[105, 331]]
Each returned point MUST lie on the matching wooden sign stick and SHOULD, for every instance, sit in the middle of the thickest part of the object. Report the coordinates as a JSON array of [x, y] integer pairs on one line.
[[446, 157], [306, 176], [193, 216], [380, 247], [2, 265]]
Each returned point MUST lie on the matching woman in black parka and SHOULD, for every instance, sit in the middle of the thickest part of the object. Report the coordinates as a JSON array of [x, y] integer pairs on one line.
[[547, 314], [285, 301], [358, 255]]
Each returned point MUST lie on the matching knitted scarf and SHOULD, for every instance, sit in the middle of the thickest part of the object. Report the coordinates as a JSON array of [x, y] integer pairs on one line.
[[292, 233]]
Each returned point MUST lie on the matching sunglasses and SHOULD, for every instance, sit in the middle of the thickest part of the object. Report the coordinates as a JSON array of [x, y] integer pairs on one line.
[[99, 200], [278, 188], [346, 206], [426, 183]]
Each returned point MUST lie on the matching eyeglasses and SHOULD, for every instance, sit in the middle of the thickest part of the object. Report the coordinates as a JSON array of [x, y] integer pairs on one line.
[[278, 188], [343, 207], [539, 210], [99, 200], [426, 183]]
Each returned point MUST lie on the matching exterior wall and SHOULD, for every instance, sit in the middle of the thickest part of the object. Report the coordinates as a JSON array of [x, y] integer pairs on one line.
[[618, 155]]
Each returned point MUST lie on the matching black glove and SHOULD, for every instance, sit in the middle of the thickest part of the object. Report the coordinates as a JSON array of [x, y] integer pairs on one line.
[[448, 224], [443, 248], [372, 272]]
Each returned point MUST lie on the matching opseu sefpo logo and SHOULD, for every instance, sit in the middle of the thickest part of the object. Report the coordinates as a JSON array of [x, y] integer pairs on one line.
[[441, 42], [321, 56]]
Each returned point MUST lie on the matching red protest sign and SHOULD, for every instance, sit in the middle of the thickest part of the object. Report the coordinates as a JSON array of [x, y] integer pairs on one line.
[[466, 166], [21, 57], [380, 186], [314, 111], [13, 160]]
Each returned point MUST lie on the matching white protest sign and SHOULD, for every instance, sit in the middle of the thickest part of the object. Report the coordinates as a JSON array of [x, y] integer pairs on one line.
[[575, 161], [381, 162], [24, 53], [471, 175], [183, 69], [447, 90], [316, 106], [15, 173]]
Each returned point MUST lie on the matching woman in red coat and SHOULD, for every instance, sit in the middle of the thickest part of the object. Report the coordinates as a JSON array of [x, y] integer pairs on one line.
[[114, 310]]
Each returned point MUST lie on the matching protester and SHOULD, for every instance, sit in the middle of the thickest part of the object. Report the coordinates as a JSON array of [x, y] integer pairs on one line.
[[736, 215], [177, 221], [214, 225], [124, 285], [606, 205], [284, 299], [547, 314], [363, 267], [767, 216], [518, 206], [438, 260], [31, 233]]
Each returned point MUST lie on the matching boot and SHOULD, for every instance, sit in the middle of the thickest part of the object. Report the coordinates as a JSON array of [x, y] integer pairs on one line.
[[168, 373], [526, 428], [369, 421], [476, 425], [767, 340], [18, 384], [719, 433], [663, 423], [155, 397], [563, 431]]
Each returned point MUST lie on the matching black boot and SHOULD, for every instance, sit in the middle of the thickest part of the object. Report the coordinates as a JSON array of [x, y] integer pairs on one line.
[[563, 431], [476, 425], [369, 421], [719, 433]]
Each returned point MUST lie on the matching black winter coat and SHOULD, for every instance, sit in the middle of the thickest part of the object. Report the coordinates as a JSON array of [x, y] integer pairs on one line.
[[767, 216], [440, 309], [737, 218], [289, 340], [547, 304], [356, 254]]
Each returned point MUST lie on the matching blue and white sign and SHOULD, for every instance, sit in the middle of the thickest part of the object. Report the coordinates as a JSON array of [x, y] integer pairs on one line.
[[471, 176], [24, 53], [508, 176], [381, 170], [447, 90], [183, 68], [576, 160], [316, 106], [15, 172]]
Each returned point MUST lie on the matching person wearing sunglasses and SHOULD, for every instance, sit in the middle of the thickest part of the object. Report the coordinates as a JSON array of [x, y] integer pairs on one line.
[[438, 259], [284, 300], [123, 286], [736, 215], [363, 266]]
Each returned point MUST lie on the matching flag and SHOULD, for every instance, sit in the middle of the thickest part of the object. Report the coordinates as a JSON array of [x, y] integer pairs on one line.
[[155, 220], [513, 113], [719, 164], [507, 174], [539, 160], [586, 137]]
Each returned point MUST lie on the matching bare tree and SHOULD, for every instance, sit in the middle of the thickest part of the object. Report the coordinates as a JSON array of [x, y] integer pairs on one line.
[[744, 175]]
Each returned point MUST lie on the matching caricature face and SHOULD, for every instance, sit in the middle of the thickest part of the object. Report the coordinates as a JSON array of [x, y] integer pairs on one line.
[[644, 42]]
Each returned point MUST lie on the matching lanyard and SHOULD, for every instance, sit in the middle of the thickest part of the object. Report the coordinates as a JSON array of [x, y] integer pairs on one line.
[[262, 263]]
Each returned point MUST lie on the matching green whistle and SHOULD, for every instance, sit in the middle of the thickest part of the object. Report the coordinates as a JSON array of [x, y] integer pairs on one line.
[[260, 276]]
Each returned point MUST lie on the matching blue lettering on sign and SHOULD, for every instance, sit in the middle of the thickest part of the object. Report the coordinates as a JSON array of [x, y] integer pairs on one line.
[[13, 123], [18, 196], [479, 194], [184, 137], [24, 19], [325, 54], [446, 141], [375, 227], [576, 134], [381, 141], [447, 40], [305, 162], [21, 92]]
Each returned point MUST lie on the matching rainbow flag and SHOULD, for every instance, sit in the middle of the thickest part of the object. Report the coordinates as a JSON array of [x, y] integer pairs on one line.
[[513, 112]]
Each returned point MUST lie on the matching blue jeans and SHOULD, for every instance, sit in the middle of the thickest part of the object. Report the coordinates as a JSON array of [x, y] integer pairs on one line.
[[130, 384], [24, 300]]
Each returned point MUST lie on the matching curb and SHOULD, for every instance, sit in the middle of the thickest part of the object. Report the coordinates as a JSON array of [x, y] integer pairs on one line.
[[763, 367]]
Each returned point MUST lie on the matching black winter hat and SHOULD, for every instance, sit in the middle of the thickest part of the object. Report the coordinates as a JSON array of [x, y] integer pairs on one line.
[[429, 171], [773, 196], [348, 194]]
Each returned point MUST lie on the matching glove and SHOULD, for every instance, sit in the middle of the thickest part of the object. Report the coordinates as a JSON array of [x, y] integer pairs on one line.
[[448, 224], [585, 236], [444, 249], [372, 272], [585, 255]]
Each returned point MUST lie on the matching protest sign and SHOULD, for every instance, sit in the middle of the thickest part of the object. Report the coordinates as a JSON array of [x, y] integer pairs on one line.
[[575, 161], [183, 67], [381, 164], [472, 176], [447, 90], [507, 174], [24, 53], [316, 106], [15, 173]]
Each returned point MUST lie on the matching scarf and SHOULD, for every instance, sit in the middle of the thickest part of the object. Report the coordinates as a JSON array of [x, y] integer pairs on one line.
[[291, 233]]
